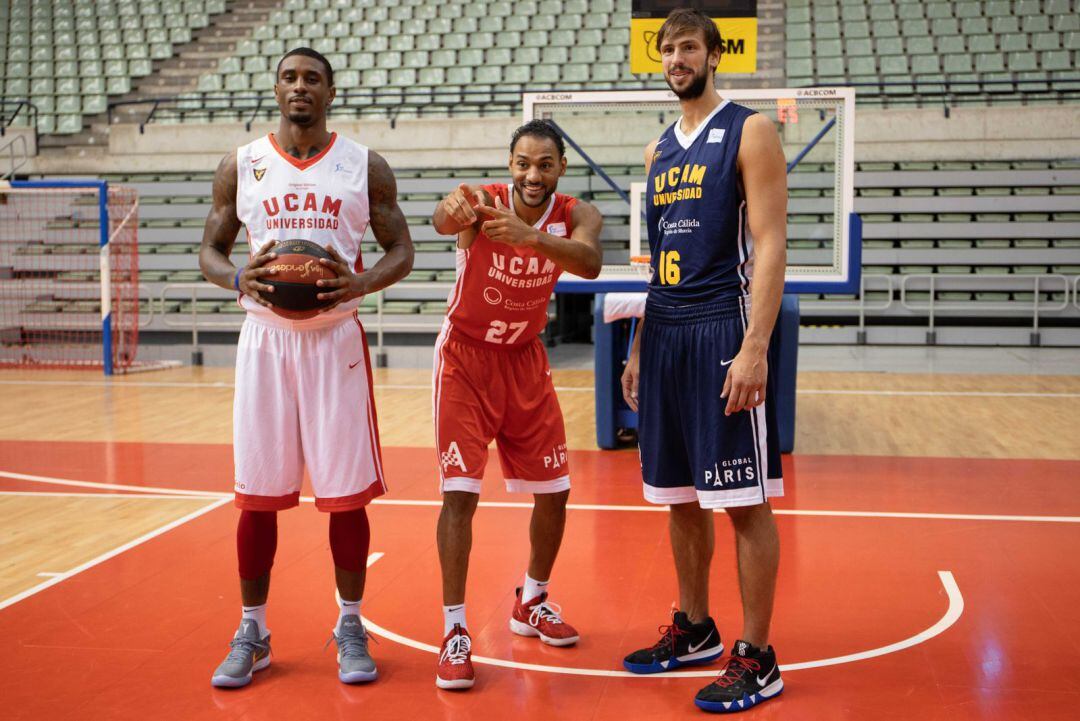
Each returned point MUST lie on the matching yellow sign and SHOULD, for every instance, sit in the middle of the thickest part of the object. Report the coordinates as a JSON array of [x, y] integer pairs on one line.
[[739, 37]]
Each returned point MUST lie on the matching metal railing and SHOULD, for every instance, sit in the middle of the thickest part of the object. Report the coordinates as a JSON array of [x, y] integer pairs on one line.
[[898, 290], [955, 92], [16, 161], [932, 306], [194, 321], [390, 101], [380, 102], [10, 110], [173, 320], [861, 305]]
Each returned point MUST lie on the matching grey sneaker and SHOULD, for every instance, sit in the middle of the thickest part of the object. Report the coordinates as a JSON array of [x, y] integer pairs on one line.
[[355, 664], [247, 654]]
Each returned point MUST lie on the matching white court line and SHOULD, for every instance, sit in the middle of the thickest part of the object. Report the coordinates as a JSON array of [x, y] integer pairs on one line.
[[776, 511], [118, 384], [110, 554], [928, 516], [48, 574], [223, 384], [60, 494], [952, 614], [934, 394], [112, 486], [155, 490], [561, 389]]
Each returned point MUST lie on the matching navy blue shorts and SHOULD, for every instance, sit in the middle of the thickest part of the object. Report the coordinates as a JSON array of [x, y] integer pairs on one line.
[[691, 451]]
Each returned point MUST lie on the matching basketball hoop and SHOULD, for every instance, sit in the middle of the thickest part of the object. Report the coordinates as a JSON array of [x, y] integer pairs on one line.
[[640, 264]]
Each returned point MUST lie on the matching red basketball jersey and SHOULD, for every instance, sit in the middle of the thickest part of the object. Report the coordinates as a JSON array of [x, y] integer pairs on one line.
[[502, 291]]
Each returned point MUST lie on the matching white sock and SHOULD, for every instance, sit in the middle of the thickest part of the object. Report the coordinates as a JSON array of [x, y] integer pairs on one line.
[[348, 608], [258, 615], [451, 615], [532, 588]]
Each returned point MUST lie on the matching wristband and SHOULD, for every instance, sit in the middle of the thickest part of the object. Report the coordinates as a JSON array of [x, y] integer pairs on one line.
[[236, 279]]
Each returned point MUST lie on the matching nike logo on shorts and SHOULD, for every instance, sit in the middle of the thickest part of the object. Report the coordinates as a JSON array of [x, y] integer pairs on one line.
[[353, 365], [727, 363]]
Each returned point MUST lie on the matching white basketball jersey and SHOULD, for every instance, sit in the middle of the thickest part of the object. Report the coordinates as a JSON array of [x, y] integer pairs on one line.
[[323, 199]]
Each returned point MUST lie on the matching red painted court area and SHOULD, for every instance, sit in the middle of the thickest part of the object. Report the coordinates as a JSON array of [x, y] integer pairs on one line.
[[949, 584]]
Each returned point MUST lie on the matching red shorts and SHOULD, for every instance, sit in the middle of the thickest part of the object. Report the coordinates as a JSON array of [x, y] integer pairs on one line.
[[484, 394]]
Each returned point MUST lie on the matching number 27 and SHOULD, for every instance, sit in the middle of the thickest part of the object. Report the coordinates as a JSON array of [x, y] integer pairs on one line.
[[498, 330]]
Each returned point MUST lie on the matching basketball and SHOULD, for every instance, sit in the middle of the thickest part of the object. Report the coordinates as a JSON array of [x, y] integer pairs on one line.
[[298, 269]]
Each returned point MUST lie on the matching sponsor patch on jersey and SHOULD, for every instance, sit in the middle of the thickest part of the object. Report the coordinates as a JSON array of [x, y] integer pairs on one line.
[[557, 229], [259, 173], [452, 457], [716, 135]]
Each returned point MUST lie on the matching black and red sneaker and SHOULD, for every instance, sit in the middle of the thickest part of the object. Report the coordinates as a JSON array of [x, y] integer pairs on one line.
[[749, 676], [681, 644]]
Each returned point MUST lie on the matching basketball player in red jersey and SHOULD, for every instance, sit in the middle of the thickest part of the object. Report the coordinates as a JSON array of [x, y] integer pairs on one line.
[[301, 401], [492, 379]]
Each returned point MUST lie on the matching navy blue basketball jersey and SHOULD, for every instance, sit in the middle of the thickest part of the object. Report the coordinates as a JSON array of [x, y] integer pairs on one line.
[[699, 241]]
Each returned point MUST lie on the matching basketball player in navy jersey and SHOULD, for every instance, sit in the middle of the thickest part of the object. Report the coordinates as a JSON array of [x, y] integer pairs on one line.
[[699, 371], [304, 395]]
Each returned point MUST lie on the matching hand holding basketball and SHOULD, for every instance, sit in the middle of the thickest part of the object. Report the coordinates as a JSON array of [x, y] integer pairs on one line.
[[346, 286], [248, 280], [506, 227]]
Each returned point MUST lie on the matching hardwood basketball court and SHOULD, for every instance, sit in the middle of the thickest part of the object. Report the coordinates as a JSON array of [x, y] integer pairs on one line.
[[926, 565]]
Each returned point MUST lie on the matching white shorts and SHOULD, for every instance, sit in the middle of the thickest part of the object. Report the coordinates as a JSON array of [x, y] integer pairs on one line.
[[304, 398]]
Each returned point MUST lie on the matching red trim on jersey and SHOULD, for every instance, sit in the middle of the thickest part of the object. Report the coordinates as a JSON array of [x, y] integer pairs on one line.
[[303, 164], [252, 502], [373, 420]]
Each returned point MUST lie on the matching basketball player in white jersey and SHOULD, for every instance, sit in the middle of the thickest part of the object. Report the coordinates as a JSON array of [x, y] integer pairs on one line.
[[304, 388]]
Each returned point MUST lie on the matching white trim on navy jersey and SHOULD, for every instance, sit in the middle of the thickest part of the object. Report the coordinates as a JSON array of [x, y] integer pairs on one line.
[[687, 140]]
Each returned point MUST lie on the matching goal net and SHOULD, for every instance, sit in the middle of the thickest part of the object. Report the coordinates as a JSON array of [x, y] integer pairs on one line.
[[69, 274]]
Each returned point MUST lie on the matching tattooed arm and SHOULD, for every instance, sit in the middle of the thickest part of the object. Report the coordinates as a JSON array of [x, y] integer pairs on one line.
[[219, 234], [391, 232]]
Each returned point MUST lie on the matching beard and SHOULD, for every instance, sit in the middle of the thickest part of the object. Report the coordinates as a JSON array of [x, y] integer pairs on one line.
[[695, 88], [301, 117], [548, 192]]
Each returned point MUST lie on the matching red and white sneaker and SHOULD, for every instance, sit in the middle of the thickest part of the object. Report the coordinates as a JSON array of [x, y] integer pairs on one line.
[[455, 660], [540, 618]]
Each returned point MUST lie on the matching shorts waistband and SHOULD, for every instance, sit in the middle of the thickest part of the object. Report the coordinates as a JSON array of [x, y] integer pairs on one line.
[[319, 322], [656, 312]]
